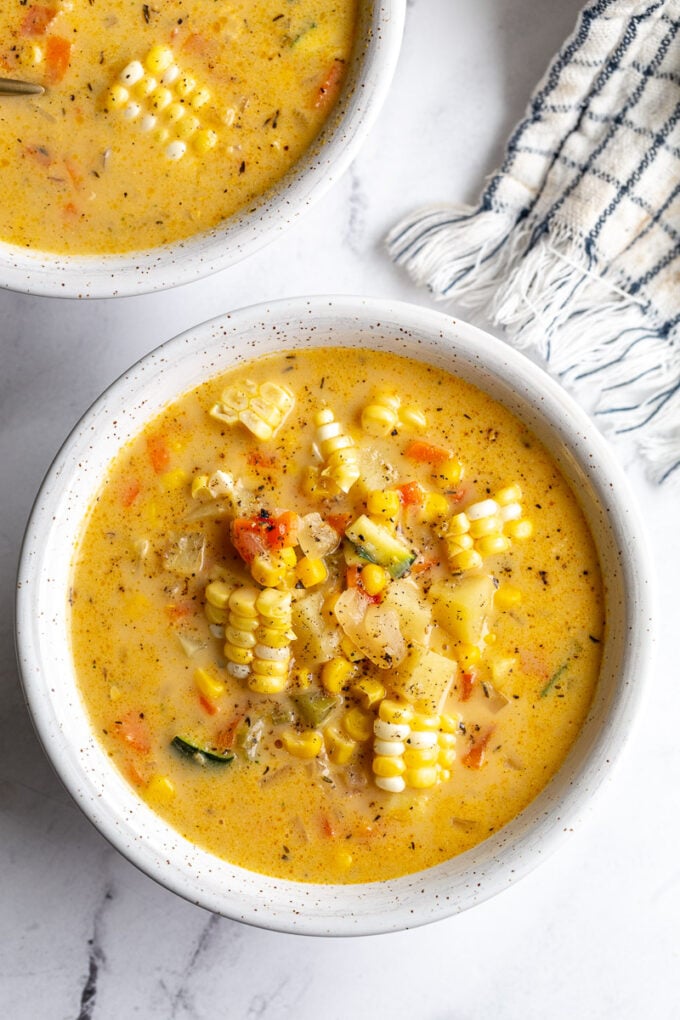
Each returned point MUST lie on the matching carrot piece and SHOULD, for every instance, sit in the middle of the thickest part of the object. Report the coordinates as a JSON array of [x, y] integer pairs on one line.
[[246, 538], [411, 493], [36, 20], [209, 706], [158, 452], [133, 731], [227, 736], [258, 459], [57, 58], [427, 453], [40, 154], [253, 535], [475, 757], [130, 492], [179, 610], [467, 683], [74, 172], [327, 91]]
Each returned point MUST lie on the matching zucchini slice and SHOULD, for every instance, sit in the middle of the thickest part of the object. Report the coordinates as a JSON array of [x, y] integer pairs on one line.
[[376, 544], [201, 755]]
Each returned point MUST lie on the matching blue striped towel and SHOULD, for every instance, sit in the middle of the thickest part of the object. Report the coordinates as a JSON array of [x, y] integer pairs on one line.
[[574, 248]]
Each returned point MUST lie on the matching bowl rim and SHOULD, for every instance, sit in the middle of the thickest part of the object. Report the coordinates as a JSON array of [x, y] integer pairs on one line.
[[124, 274], [413, 899]]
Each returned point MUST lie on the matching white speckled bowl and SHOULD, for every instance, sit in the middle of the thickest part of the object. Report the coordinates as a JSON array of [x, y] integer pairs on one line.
[[379, 40], [42, 614]]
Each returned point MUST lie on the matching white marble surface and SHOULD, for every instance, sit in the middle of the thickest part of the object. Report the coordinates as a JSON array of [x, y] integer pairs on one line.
[[595, 931]]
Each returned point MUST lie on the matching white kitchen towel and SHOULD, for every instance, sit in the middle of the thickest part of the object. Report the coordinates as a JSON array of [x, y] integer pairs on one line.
[[574, 248]]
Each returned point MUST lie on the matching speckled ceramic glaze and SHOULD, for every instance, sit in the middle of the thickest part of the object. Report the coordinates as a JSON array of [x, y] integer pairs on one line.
[[379, 37], [42, 614]]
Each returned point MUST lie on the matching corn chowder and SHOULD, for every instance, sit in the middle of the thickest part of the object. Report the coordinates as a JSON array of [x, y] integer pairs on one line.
[[331, 632], [158, 121]]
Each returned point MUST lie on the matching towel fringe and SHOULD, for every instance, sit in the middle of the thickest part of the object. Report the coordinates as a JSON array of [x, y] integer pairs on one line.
[[552, 302]]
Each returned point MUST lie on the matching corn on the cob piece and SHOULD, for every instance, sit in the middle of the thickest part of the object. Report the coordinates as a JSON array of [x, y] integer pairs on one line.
[[258, 638], [486, 527], [157, 95], [411, 750], [384, 412], [337, 449], [261, 408]]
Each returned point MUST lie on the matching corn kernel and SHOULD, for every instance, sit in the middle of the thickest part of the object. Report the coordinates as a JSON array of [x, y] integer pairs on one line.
[[450, 472], [449, 723], [388, 767], [217, 593], [467, 559], [491, 525], [340, 748], [268, 570], [175, 150], [446, 740], [447, 757], [118, 96], [175, 112], [435, 508], [242, 601], [421, 778], [420, 721], [271, 667], [412, 417], [205, 140], [136, 606], [174, 479], [160, 98], [237, 654], [492, 545], [207, 684], [374, 578], [307, 744], [185, 85], [369, 691], [391, 784], [160, 789], [311, 570], [158, 59], [459, 525], [358, 724], [385, 503], [519, 530], [302, 679], [273, 637], [350, 650], [335, 673], [267, 684], [468, 655], [200, 98], [510, 494], [215, 614], [145, 86], [415, 757], [343, 859], [396, 712], [187, 127], [378, 420]]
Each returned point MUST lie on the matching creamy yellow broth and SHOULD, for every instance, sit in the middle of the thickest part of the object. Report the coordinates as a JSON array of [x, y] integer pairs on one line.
[[512, 695], [159, 121]]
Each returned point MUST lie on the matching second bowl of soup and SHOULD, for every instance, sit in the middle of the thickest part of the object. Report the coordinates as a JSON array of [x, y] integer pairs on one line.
[[171, 142], [340, 622]]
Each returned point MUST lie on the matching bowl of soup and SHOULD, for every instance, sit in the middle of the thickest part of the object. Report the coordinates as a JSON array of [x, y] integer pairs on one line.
[[333, 615], [170, 143]]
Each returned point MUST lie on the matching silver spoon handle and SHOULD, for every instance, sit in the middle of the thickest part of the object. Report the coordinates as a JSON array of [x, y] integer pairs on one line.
[[14, 87]]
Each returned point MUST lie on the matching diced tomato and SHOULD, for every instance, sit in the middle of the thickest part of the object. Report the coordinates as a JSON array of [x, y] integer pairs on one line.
[[227, 736], [179, 610], [339, 522], [475, 757], [427, 453], [133, 731], [420, 564], [254, 535], [57, 58], [159, 454], [327, 91], [133, 774], [411, 494], [258, 459], [130, 492], [329, 826], [467, 682], [36, 20]]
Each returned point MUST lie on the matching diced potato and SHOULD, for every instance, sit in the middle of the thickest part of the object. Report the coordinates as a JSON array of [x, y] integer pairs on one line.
[[316, 641], [463, 607], [425, 679], [415, 615]]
